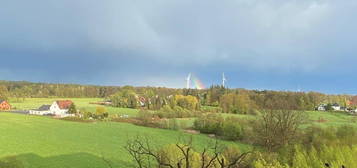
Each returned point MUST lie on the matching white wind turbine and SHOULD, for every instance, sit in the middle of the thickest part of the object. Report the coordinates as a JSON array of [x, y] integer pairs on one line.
[[188, 80], [223, 80]]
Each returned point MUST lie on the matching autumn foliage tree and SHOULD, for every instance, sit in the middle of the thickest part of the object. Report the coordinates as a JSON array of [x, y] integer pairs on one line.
[[237, 103], [187, 102]]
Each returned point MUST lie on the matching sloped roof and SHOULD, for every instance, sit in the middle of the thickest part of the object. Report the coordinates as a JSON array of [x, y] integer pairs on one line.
[[44, 108], [64, 104], [335, 104], [1, 101]]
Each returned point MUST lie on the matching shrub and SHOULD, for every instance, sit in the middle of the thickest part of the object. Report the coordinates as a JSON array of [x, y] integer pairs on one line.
[[170, 124], [232, 129], [100, 113], [77, 119], [87, 115], [210, 124], [72, 109]]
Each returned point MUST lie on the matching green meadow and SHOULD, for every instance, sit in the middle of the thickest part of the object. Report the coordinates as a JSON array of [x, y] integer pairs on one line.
[[40, 141], [81, 103], [326, 119]]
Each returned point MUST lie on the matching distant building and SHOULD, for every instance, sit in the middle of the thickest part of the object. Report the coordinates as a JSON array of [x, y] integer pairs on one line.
[[142, 101], [336, 107], [58, 108], [352, 111], [321, 107], [43, 110], [4, 105], [326, 107]]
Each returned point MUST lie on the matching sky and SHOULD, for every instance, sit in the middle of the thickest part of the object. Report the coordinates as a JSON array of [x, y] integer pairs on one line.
[[307, 45]]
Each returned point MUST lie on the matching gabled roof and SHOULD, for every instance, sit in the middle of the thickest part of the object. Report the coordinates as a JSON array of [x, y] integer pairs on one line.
[[2, 101], [335, 104], [64, 104], [44, 108]]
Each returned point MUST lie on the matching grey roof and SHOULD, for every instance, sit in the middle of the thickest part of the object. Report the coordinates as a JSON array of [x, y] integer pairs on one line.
[[44, 108], [1, 101], [335, 104]]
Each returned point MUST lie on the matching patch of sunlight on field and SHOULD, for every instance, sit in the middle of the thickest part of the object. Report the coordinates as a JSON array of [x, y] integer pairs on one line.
[[81, 103]]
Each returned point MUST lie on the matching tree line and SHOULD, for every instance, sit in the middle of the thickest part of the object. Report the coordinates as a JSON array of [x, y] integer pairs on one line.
[[228, 100]]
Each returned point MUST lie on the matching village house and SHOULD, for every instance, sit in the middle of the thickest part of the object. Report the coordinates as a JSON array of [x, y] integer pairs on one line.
[[43, 110], [142, 101], [336, 107], [58, 108], [4, 105], [321, 107]]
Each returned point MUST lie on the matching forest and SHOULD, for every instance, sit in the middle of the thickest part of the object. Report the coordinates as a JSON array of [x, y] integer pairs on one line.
[[240, 101]]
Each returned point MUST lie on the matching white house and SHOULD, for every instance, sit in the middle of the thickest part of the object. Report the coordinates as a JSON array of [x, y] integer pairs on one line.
[[321, 107], [352, 111], [336, 107], [58, 108]]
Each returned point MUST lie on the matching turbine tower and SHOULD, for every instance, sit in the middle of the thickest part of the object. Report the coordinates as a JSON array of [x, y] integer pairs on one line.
[[223, 80], [188, 80]]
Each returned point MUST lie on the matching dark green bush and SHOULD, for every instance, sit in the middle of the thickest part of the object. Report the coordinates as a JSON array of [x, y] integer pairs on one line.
[[210, 124], [232, 129]]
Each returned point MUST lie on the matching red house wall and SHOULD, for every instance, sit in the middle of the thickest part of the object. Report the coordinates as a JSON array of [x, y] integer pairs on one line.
[[5, 106]]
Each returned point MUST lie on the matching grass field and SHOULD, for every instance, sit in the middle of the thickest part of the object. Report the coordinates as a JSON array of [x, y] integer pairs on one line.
[[81, 103], [40, 141], [318, 118], [335, 119], [331, 118]]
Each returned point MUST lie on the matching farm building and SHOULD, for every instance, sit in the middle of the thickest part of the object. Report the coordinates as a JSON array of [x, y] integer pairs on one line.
[[4, 105], [321, 107], [43, 110], [336, 107], [58, 108]]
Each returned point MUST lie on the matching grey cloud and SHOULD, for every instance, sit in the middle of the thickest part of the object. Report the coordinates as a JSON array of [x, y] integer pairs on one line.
[[180, 35]]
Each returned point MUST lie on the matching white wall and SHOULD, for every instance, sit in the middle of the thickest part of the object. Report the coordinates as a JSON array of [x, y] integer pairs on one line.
[[56, 110], [36, 112]]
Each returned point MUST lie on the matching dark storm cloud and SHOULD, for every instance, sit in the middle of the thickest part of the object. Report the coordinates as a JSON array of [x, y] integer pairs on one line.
[[158, 42]]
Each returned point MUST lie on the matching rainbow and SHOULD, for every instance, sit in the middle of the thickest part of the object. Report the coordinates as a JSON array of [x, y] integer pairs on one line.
[[197, 83]]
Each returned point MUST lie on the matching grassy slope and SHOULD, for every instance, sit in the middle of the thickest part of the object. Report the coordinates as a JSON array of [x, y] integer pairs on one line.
[[318, 118], [34, 103], [45, 142], [331, 118], [49, 143]]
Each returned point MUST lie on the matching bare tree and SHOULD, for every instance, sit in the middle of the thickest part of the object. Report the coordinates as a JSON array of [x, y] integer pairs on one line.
[[140, 148], [211, 156], [277, 128]]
